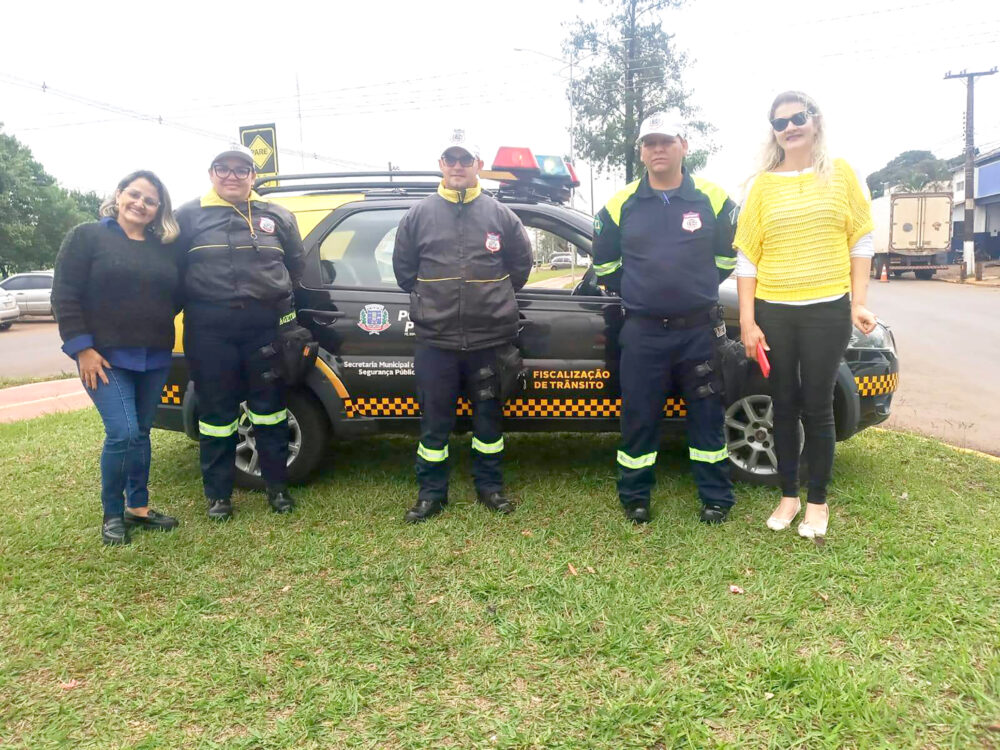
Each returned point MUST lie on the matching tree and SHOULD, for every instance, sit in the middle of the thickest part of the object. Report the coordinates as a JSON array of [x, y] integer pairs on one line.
[[35, 213], [635, 70], [911, 169]]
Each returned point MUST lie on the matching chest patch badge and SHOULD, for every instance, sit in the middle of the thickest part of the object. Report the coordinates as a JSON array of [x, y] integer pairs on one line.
[[691, 221], [267, 225], [493, 242], [374, 319]]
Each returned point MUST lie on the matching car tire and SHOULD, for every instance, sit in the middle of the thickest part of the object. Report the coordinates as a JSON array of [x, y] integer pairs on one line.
[[5, 326], [749, 430], [924, 274], [308, 433]]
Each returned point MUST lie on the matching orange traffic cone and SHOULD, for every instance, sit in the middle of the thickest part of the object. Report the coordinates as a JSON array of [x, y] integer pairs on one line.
[[885, 273]]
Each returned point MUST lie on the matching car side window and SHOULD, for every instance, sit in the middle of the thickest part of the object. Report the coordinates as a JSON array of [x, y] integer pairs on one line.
[[358, 251], [14, 284], [39, 282]]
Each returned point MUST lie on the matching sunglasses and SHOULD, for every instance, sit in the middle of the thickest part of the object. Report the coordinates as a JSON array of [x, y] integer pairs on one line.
[[222, 171], [798, 119], [465, 161], [136, 195]]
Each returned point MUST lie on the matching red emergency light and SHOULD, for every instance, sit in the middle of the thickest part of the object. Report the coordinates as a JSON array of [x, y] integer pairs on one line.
[[574, 181], [513, 159]]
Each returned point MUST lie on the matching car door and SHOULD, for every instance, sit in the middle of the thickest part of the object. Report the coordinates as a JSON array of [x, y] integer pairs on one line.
[[39, 294]]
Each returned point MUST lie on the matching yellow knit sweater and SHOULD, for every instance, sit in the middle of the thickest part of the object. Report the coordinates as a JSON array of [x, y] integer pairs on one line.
[[799, 231]]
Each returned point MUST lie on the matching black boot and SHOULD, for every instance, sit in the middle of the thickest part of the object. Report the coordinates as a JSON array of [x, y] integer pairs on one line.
[[280, 499], [712, 513], [638, 513], [496, 501], [113, 531], [423, 510], [154, 520], [220, 510]]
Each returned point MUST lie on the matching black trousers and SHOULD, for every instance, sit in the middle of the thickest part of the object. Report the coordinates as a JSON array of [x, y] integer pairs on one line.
[[222, 345], [807, 343], [656, 362], [442, 375]]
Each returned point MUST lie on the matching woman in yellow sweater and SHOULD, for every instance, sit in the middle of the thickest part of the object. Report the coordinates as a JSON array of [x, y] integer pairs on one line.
[[804, 256]]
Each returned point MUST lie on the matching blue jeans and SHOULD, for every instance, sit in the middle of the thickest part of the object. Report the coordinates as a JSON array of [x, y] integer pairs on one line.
[[127, 405]]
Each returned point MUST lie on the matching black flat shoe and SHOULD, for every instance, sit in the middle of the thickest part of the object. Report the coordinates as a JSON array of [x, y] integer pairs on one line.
[[281, 501], [220, 510], [423, 510], [154, 520], [113, 531], [714, 513], [638, 514], [496, 501]]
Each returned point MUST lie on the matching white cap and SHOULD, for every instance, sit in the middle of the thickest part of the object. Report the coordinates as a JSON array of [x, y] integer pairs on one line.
[[459, 139], [239, 151], [661, 123]]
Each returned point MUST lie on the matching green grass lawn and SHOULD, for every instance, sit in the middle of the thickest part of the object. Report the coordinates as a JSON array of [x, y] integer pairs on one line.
[[558, 627], [12, 381], [540, 274]]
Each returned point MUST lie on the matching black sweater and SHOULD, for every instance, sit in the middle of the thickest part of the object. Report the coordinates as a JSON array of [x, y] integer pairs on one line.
[[122, 292]]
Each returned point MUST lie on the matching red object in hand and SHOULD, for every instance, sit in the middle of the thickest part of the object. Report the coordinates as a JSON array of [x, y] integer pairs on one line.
[[765, 366]]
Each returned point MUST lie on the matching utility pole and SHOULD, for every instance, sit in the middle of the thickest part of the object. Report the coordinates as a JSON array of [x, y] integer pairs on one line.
[[298, 99], [968, 244]]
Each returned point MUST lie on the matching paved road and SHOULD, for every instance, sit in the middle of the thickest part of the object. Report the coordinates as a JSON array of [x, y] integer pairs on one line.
[[948, 337], [31, 347]]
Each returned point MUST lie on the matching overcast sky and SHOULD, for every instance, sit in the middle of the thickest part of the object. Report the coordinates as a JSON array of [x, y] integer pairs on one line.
[[386, 81]]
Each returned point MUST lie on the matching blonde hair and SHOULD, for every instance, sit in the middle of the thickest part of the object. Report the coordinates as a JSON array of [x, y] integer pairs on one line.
[[773, 155], [163, 224]]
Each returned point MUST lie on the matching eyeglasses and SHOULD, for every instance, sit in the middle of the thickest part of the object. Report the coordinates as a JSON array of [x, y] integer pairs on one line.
[[798, 119], [222, 171], [136, 195], [466, 161]]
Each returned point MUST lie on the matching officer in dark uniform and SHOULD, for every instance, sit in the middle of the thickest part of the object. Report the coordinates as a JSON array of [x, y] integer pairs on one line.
[[664, 243], [461, 255], [242, 255]]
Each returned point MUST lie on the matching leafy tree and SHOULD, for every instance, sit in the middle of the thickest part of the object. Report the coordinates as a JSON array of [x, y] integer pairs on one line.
[[634, 70], [912, 169], [35, 213]]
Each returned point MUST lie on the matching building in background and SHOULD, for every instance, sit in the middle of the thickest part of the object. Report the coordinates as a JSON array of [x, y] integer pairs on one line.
[[987, 196]]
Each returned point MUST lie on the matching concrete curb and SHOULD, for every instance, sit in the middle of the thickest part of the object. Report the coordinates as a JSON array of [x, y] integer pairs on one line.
[[38, 399]]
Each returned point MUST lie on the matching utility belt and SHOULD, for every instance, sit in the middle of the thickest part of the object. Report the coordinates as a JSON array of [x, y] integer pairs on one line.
[[708, 316]]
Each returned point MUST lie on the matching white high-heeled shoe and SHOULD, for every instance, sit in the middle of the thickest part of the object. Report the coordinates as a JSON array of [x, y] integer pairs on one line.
[[811, 531], [780, 524]]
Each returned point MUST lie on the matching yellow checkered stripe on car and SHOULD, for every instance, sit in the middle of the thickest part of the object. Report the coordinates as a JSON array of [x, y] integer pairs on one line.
[[877, 385], [171, 395], [407, 406]]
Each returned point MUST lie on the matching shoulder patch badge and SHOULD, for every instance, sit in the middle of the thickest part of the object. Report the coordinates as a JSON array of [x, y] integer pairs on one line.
[[598, 225], [267, 225], [691, 221], [493, 242]]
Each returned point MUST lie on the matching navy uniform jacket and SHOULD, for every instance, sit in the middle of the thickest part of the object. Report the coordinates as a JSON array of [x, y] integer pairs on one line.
[[666, 256]]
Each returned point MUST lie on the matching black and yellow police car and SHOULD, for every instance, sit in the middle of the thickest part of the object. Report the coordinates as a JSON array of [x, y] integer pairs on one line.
[[363, 381]]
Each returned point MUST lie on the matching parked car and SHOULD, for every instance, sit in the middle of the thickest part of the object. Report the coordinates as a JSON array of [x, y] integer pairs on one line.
[[9, 311], [32, 292], [561, 260], [363, 382]]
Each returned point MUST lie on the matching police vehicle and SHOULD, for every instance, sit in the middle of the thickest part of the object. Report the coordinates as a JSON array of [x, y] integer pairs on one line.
[[363, 382]]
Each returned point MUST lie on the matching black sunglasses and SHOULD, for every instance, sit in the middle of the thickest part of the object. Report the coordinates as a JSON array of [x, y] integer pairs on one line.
[[222, 171], [465, 161], [798, 119]]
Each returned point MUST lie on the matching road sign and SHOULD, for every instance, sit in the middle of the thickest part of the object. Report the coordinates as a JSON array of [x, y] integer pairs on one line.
[[262, 140]]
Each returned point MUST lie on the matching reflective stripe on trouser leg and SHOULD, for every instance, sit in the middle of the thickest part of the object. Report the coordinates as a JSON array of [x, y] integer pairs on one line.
[[487, 448], [437, 380], [211, 430], [707, 450], [487, 430], [645, 380], [268, 419]]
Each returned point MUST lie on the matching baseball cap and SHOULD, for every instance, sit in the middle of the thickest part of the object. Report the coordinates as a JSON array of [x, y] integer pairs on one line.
[[237, 150], [661, 123], [460, 140]]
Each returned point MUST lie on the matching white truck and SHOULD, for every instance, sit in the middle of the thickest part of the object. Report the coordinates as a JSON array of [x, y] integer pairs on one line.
[[912, 233]]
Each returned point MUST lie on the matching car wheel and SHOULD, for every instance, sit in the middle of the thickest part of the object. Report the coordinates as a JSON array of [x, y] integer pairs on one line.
[[308, 430], [749, 429], [924, 274], [5, 326]]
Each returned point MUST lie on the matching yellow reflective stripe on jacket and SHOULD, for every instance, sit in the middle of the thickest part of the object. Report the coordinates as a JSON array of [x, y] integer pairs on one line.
[[450, 278], [217, 430], [486, 281], [716, 195], [726, 262], [639, 462], [603, 269], [614, 206], [274, 418], [429, 454], [479, 445], [708, 457], [240, 247]]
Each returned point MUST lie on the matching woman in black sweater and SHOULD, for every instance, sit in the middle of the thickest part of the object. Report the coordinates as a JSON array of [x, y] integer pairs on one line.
[[115, 295]]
